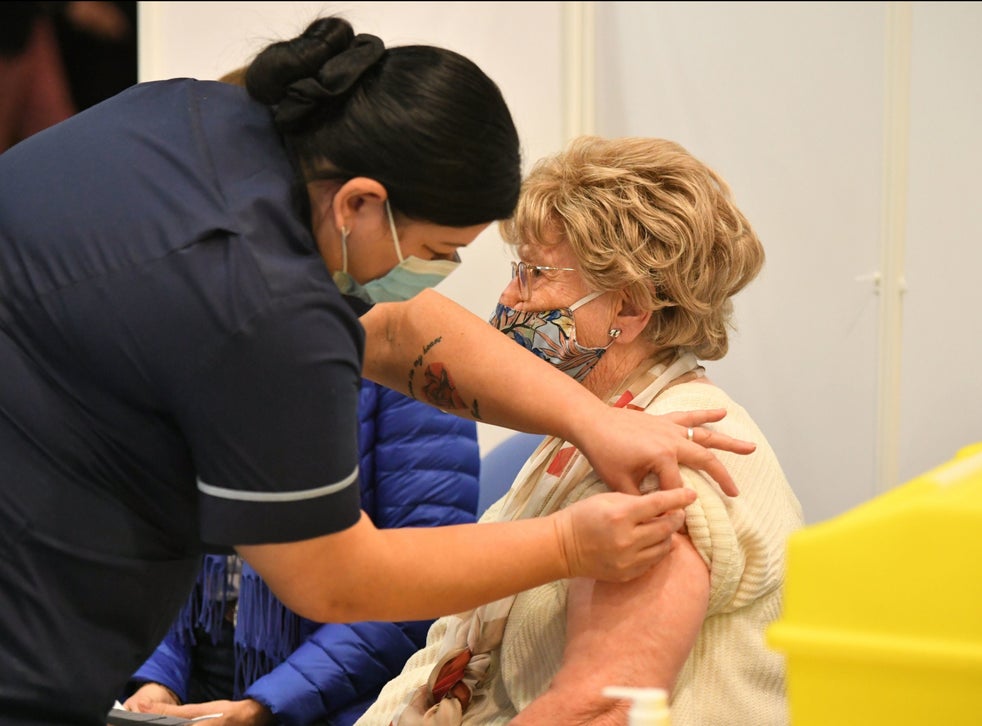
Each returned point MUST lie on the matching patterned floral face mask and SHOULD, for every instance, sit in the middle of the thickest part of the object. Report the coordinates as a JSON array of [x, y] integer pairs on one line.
[[551, 335]]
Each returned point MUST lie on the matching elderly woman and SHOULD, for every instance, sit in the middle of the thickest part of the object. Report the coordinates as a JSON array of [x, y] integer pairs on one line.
[[631, 251]]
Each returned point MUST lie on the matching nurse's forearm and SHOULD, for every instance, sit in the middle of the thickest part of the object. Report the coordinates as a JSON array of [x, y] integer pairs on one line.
[[364, 573], [408, 574], [440, 353]]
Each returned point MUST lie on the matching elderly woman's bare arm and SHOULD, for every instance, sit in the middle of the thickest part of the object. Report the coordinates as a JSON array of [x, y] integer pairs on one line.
[[636, 634]]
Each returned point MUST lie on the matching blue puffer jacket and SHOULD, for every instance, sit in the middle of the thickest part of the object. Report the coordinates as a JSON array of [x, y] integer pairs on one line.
[[419, 467]]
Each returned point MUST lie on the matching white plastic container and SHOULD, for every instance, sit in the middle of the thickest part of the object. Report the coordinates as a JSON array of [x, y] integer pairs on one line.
[[649, 706]]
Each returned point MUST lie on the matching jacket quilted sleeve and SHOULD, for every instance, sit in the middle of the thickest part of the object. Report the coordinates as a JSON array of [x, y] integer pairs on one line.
[[169, 665]]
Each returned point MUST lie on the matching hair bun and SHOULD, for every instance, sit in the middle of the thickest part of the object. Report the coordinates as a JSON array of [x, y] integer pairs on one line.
[[334, 79]]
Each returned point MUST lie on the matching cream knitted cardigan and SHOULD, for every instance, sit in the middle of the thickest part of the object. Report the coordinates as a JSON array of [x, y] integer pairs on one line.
[[730, 677]]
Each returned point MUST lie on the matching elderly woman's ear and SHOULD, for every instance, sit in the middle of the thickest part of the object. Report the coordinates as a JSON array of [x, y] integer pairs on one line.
[[630, 320]]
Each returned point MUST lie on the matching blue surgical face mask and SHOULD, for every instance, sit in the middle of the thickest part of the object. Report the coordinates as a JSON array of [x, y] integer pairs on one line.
[[411, 276], [551, 335]]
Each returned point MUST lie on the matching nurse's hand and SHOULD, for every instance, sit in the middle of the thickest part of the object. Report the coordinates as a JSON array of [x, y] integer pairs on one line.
[[617, 537], [626, 445]]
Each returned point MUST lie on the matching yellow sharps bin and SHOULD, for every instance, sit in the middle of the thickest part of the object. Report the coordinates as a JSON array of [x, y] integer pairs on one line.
[[882, 614]]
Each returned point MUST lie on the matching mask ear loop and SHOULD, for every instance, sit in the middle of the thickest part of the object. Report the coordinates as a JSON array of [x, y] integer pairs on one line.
[[613, 332], [392, 226], [584, 300], [344, 249]]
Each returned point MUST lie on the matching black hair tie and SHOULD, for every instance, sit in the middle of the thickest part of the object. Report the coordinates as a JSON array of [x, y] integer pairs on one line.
[[335, 78]]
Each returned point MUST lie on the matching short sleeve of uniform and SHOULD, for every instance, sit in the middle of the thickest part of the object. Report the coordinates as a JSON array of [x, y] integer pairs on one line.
[[273, 428], [270, 409]]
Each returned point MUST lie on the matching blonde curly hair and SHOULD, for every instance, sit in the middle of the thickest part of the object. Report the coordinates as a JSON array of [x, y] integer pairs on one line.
[[644, 216]]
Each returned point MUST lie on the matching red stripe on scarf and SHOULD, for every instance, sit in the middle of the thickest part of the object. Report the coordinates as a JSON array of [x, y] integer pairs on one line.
[[560, 461]]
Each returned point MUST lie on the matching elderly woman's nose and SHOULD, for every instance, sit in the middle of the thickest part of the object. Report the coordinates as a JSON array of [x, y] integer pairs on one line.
[[511, 295]]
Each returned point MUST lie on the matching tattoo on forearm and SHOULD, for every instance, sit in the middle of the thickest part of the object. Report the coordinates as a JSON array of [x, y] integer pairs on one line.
[[436, 385], [439, 389], [426, 348], [412, 374]]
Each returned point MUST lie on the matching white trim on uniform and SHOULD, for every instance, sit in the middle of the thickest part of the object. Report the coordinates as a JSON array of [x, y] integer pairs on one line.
[[295, 496]]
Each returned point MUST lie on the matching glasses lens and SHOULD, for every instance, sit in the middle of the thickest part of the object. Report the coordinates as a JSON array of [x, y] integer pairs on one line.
[[519, 270]]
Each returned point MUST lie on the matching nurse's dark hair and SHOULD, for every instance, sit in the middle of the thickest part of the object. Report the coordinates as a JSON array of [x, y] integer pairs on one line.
[[425, 122]]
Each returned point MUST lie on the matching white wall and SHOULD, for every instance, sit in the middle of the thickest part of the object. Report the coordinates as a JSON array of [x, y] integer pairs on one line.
[[941, 388], [802, 107]]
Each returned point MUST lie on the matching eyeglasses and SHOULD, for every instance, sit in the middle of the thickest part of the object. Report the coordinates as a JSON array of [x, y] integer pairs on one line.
[[525, 272]]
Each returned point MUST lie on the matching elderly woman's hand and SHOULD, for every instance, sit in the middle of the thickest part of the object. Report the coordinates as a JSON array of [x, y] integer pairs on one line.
[[149, 693], [628, 445]]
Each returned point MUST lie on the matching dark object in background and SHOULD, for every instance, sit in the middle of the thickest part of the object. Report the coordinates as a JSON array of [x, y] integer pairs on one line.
[[34, 91], [18, 20], [119, 717], [98, 48]]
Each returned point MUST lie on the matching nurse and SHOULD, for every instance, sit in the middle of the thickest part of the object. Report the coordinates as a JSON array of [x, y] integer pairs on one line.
[[188, 274]]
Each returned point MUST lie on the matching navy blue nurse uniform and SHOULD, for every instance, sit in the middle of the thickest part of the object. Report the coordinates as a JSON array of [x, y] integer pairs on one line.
[[179, 374]]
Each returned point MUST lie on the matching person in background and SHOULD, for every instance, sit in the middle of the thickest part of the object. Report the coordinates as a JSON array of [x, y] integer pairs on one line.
[[194, 279], [237, 650], [631, 251], [59, 58], [97, 42], [34, 88]]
